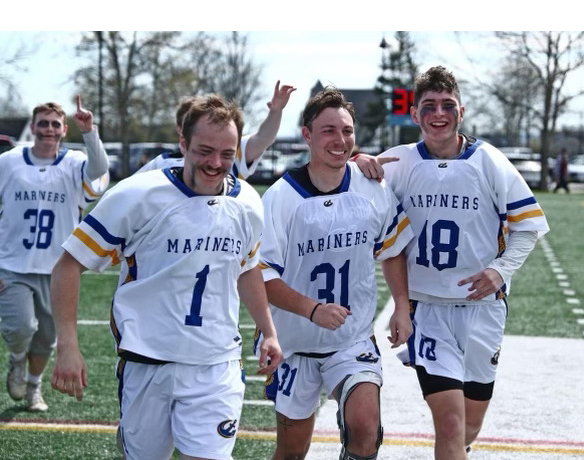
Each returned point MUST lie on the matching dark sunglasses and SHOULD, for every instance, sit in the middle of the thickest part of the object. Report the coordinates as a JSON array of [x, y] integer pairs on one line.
[[45, 124]]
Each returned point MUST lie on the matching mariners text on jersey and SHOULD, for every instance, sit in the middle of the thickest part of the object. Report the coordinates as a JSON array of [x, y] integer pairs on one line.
[[332, 242], [444, 200], [213, 244], [40, 195]]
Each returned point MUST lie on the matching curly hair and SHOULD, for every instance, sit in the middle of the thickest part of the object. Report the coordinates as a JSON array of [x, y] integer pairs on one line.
[[436, 79]]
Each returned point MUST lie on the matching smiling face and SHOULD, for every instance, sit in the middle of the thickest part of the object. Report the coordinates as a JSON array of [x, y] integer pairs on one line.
[[209, 155], [439, 114], [331, 138]]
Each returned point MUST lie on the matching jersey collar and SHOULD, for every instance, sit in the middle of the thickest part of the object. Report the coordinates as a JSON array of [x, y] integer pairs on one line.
[[231, 185], [26, 153]]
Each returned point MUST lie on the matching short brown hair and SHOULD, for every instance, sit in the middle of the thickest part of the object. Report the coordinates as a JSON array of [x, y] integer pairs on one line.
[[183, 107], [436, 79], [220, 112], [49, 107], [325, 98]]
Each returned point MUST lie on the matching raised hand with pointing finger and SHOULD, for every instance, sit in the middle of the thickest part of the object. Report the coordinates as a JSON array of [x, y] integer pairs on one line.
[[83, 118]]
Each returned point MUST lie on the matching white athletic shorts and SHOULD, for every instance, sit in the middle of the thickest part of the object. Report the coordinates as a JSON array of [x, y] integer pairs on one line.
[[461, 342], [301, 379], [195, 408]]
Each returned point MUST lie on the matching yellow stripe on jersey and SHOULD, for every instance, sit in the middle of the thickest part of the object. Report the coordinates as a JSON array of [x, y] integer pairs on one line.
[[254, 250], [525, 215], [390, 242], [263, 266], [90, 192], [91, 244]]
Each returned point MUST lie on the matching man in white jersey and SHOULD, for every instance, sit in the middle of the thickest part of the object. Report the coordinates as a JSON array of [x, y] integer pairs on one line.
[[43, 189], [326, 224], [252, 146], [190, 235], [475, 221]]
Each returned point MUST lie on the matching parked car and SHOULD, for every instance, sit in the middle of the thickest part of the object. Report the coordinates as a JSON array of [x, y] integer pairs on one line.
[[141, 153], [114, 156], [528, 163], [6, 143], [576, 169], [274, 164], [75, 146]]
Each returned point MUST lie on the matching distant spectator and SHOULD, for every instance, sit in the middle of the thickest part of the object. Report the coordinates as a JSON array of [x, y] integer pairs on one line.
[[561, 171]]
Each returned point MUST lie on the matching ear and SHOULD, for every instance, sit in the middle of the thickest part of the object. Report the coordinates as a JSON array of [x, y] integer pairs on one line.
[[183, 148], [65, 128], [414, 115], [306, 134], [461, 112]]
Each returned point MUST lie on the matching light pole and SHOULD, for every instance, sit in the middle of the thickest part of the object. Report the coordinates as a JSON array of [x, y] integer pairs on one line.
[[385, 92]]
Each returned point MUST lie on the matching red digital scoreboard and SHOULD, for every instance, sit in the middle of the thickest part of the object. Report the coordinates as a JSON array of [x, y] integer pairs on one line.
[[401, 101]]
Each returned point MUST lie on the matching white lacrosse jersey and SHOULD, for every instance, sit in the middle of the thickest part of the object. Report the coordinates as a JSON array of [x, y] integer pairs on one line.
[[240, 168], [40, 206], [461, 211], [324, 246], [178, 300]]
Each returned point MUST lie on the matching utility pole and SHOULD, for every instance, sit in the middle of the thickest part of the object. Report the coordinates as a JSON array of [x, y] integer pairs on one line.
[[100, 83]]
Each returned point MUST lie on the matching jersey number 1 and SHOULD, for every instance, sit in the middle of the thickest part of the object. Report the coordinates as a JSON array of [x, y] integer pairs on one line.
[[195, 318]]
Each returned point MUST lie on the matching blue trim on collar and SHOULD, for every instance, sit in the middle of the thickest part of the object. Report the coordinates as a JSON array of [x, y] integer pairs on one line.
[[26, 153], [235, 191], [306, 194], [423, 151]]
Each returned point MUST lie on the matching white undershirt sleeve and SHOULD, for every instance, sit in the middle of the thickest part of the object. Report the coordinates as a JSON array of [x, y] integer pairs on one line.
[[97, 162], [519, 247]]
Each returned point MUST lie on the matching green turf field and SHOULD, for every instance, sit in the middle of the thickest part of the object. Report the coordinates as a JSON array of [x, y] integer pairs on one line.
[[537, 306]]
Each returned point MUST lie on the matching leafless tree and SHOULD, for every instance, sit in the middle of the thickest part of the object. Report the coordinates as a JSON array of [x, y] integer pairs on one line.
[[551, 57]]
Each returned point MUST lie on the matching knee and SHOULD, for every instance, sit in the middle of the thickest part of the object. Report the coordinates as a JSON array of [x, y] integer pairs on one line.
[[450, 426], [18, 338], [472, 430]]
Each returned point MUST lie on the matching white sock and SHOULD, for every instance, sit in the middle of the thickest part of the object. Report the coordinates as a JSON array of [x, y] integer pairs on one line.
[[33, 379]]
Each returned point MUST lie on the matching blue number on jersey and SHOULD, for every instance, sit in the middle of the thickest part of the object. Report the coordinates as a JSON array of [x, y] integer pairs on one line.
[[439, 247], [327, 294], [288, 373], [427, 348], [44, 221], [195, 318]]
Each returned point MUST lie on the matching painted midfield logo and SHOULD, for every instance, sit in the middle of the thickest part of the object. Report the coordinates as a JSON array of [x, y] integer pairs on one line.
[[328, 203], [228, 428]]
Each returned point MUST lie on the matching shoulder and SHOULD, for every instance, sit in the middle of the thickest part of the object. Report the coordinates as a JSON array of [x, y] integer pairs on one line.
[[138, 184], [490, 155], [400, 150], [11, 154]]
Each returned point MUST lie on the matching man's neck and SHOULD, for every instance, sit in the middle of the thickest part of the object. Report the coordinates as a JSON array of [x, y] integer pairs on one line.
[[324, 178], [447, 149], [42, 151]]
